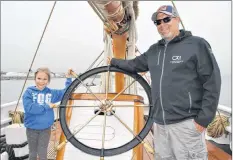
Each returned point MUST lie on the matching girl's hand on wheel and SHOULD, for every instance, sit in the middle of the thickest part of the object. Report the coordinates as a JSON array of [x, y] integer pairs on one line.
[[69, 73]]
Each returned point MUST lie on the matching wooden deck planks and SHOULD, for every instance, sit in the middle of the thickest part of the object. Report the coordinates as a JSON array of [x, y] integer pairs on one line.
[[214, 153]]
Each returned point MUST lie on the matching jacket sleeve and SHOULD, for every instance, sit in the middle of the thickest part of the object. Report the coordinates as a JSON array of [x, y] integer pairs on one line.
[[209, 74], [138, 64], [32, 107], [57, 94]]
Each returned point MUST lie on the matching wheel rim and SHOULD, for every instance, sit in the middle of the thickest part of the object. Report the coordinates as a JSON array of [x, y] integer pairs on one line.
[[113, 151]]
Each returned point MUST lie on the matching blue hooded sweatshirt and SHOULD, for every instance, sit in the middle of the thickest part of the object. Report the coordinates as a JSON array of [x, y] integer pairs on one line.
[[38, 115]]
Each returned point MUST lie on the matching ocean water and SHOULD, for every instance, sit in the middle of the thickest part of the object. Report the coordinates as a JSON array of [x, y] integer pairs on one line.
[[10, 89]]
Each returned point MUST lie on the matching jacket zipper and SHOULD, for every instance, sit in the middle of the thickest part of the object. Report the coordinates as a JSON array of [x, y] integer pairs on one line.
[[158, 57], [190, 102], [160, 87]]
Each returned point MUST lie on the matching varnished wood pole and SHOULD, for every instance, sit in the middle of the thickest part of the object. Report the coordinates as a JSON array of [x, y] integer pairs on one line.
[[61, 152], [119, 51], [138, 125]]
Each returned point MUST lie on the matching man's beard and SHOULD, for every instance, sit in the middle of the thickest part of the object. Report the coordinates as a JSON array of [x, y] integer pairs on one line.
[[168, 36]]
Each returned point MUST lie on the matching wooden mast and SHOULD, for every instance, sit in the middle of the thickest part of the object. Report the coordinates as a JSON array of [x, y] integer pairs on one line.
[[119, 51]]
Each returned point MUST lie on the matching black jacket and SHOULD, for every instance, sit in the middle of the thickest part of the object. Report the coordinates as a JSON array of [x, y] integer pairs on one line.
[[185, 78]]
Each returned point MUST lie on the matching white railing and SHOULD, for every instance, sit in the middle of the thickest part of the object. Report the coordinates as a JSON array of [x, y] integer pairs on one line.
[[224, 109], [5, 108], [10, 104]]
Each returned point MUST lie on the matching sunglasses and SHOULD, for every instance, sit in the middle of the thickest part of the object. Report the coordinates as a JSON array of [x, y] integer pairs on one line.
[[165, 20]]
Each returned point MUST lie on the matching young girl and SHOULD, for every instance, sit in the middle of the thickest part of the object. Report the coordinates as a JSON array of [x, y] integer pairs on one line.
[[38, 102]]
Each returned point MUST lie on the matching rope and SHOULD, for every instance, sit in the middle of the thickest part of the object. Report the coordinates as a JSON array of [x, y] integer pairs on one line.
[[95, 61], [17, 117], [34, 58], [19, 145], [147, 78], [23, 157], [179, 15], [118, 11], [108, 53], [132, 39], [97, 11], [2, 144], [111, 25], [132, 30], [10, 150], [217, 127]]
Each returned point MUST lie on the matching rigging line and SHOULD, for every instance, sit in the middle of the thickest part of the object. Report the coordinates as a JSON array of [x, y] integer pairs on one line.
[[137, 50], [97, 11], [34, 58], [178, 14], [94, 61], [96, 74]]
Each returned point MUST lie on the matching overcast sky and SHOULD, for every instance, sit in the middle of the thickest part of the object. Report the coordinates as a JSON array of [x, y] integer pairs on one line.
[[74, 36]]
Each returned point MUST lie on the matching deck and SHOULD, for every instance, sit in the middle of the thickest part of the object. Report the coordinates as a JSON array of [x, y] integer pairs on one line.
[[214, 153]]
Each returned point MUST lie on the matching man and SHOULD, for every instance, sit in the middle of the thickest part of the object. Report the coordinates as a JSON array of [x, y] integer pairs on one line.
[[185, 87]]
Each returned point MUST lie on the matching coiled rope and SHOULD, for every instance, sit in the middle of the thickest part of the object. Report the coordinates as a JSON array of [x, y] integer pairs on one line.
[[17, 117], [217, 127]]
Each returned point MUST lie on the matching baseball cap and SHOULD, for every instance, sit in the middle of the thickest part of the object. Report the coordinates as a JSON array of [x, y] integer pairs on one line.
[[166, 9]]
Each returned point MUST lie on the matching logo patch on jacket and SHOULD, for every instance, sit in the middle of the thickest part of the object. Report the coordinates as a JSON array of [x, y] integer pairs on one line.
[[41, 98], [176, 59]]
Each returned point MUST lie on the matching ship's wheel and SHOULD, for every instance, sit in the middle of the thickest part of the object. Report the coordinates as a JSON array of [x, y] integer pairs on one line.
[[104, 107]]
